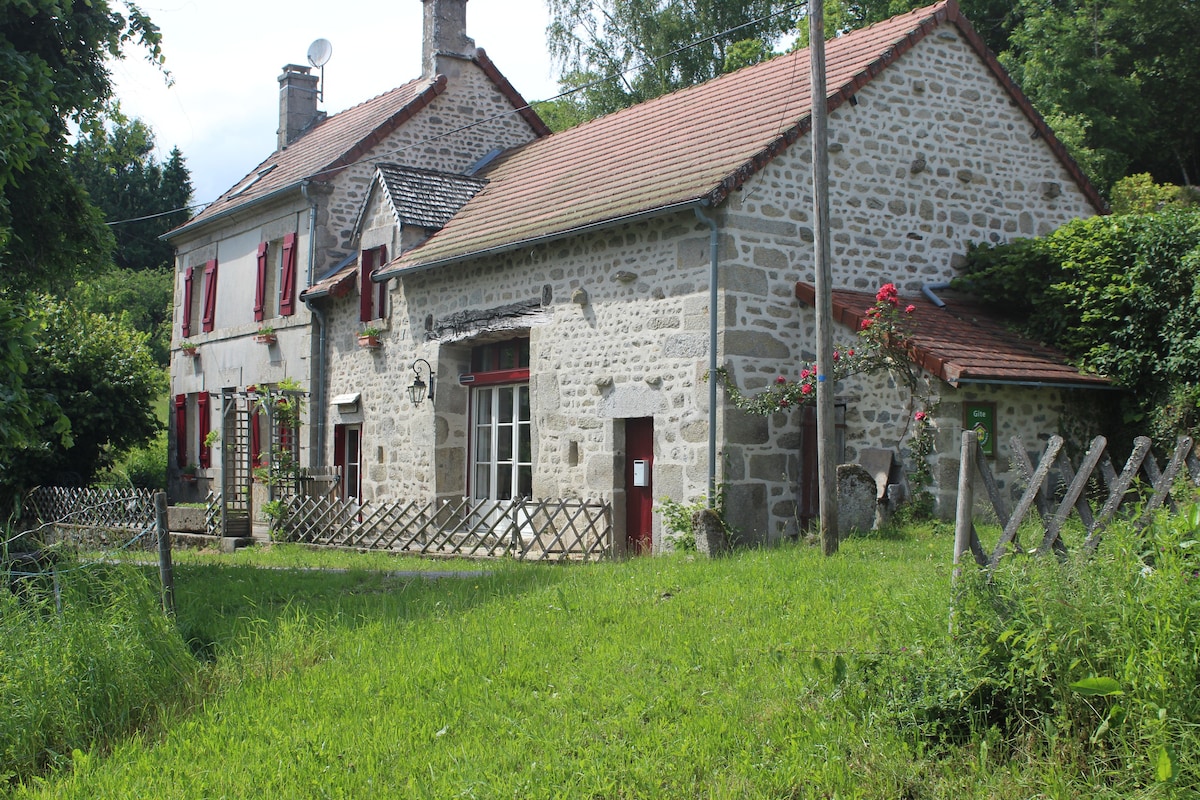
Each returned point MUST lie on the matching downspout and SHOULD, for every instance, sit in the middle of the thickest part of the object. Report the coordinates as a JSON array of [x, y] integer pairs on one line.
[[712, 353], [928, 290], [318, 371]]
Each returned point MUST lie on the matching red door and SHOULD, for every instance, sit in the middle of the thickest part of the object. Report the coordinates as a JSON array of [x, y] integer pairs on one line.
[[639, 485]]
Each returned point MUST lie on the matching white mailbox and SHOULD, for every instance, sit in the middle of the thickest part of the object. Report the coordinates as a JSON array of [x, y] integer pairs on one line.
[[641, 473]]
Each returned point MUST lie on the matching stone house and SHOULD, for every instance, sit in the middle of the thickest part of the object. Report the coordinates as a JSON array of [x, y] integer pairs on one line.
[[243, 264], [563, 303]]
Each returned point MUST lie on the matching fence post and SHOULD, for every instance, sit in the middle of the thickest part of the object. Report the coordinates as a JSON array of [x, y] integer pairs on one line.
[[963, 512], [165, 572]]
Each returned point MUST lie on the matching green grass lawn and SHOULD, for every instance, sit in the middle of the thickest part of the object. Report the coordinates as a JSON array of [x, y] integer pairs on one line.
[[743, 677]]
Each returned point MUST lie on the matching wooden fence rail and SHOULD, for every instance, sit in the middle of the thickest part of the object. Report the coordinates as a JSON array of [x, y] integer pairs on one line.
[[531, 530], [1055, 490]]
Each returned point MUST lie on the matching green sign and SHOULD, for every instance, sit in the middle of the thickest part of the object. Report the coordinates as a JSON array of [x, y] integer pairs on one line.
[[981, 418]]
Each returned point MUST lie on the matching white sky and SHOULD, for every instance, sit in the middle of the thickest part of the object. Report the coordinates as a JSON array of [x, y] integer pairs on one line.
[[225, 58]]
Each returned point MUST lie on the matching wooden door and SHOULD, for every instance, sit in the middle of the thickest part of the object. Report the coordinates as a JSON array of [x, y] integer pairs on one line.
[[639, 485]]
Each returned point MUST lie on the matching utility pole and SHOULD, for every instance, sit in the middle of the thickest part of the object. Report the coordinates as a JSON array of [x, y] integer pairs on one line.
[[826, 436]]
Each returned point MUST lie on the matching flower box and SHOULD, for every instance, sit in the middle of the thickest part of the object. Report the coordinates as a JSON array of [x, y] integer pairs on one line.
[[266, 338], [368, 340]]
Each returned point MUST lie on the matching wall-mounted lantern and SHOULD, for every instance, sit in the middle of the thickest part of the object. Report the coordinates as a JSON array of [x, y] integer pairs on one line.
[[418, 391]]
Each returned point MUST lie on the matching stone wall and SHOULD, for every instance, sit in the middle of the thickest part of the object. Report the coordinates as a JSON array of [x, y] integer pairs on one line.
[[933, 156]]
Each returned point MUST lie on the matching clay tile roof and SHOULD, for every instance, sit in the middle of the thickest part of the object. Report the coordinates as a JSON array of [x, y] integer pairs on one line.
[[426, 198], [693, 145], [337, 282], [962, 342], [330, 145]]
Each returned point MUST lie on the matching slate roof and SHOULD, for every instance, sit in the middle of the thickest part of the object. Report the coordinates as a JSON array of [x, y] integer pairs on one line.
[[421, 197], [962, 342], [343, 138], [426, 198], [692, 146]]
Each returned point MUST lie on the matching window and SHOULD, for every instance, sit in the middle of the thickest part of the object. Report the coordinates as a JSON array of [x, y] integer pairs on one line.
[[203, 426], [347, 456], [275, 281], [372, 297], [501, 424], [503, 453]]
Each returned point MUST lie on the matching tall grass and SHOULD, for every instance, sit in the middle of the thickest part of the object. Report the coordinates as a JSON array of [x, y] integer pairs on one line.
[[767, 674], [84, 657], [652, 678]]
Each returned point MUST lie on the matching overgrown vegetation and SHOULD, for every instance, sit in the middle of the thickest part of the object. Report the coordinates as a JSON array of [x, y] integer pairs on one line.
[[86, 656], [1119, 294], [771, 673], [1091, 661]]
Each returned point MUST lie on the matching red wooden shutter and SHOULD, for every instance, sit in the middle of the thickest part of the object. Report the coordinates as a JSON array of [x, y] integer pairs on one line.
[[181, 430], [381, 301], [209, 317], [256, 454], [185, 329], [287, 289], [366, 263], [203, 426], [260, 283], [339, 457]]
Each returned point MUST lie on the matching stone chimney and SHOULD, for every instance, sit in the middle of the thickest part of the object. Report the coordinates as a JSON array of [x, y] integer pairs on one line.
[[445, 33], [297, 103]]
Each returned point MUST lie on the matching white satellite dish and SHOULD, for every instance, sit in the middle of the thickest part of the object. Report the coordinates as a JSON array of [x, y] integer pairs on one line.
[[319, 53]]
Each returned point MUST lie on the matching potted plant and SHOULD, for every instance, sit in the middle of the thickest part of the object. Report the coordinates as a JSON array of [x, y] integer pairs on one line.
[[266, 335], [211, 438], [188, 475], [189, 349], [369, 336]]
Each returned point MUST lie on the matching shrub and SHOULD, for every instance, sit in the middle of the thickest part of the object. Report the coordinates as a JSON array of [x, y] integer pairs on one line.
[[1089, 660]]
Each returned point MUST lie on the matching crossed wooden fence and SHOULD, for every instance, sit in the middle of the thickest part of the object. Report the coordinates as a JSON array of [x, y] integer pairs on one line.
[[97, 516], [531, 530], [1040, 492]]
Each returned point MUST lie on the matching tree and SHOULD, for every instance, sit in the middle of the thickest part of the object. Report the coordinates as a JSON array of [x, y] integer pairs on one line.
[[100, 374], [52, 73], [620, 52], [1114, 78], [1119, 294], [123, 178], [52, 63]]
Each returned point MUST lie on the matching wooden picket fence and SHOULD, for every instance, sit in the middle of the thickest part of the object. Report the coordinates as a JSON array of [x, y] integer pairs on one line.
[[530, 530], [1056, 496]]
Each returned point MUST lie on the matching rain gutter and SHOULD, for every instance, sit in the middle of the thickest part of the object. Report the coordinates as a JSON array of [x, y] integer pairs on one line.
[[382, 275]]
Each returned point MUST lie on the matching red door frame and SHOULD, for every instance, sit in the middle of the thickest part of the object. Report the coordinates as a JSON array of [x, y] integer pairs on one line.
[[639, 500]]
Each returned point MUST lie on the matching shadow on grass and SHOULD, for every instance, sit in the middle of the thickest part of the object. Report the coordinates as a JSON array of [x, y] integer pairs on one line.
[[218, 605]]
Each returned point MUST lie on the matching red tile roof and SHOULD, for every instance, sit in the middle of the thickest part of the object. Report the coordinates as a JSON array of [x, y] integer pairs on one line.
[[962, 342], [694, 145]]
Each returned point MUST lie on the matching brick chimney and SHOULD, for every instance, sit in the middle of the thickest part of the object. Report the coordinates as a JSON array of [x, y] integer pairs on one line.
[[297, 103], [445, 33]]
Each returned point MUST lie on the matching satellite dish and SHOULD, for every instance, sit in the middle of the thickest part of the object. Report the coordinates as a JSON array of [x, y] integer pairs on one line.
[[319, 52]]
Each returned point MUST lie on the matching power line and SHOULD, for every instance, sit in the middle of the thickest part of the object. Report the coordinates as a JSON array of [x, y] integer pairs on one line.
[[644, 64]]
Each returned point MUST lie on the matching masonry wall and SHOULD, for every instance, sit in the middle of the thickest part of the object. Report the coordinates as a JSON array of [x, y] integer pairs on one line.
[[933, 156], [466, 122]]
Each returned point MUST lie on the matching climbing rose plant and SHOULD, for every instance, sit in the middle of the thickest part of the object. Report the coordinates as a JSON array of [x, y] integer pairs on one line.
[[884, 340]]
